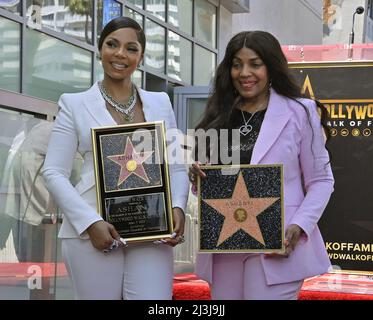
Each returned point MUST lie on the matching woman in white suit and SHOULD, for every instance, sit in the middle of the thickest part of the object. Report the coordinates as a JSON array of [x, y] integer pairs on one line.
[[141, 271]]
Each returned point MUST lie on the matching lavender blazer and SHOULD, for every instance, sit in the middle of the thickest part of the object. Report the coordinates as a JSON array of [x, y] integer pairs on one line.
[[286, 137]]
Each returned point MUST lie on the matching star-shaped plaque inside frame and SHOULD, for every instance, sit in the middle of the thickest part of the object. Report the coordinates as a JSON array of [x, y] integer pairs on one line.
[[246, 214], [126, 168], [131, 162]]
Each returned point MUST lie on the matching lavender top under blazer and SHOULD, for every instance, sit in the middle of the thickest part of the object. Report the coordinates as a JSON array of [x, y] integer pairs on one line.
[[79, 112], [285, 137]]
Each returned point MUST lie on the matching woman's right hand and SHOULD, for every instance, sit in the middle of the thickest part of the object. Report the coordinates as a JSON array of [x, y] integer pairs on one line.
[[102, 234], [195, 171]]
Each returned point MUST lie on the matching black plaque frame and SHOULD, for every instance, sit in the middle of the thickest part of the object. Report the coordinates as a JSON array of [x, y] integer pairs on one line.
[[137, 202], [261, 181]]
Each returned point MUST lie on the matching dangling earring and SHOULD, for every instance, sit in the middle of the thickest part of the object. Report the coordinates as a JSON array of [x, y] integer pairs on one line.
[[269, 86]]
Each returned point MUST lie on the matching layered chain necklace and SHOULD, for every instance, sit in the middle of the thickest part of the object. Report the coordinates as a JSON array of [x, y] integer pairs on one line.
[[246, 128], [127, 110]]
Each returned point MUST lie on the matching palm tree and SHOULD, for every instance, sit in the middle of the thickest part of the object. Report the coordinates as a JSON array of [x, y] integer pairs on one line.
[[83, 7]]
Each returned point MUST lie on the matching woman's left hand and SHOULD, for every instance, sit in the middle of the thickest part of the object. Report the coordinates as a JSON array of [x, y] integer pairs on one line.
[[179, 221], [292, 236]]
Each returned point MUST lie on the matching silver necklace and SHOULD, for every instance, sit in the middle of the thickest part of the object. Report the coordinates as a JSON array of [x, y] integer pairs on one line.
[[246, 128], [125, 109]]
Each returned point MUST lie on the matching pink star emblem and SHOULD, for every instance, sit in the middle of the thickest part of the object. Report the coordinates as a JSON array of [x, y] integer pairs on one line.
[[131, 162], [240, 212]]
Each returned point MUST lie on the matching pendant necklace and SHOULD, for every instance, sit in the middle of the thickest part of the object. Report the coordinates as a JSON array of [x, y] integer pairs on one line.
[[246, 128]]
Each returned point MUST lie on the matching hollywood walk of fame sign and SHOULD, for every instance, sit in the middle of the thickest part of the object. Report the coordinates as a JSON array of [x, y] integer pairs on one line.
[[241, 209], [132, 180]]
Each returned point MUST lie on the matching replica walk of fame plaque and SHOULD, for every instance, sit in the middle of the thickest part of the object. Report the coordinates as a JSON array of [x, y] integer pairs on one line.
[[241, 209], [132, 180]]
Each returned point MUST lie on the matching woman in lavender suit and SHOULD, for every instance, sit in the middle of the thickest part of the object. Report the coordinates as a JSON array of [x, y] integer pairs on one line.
[[254, 90]]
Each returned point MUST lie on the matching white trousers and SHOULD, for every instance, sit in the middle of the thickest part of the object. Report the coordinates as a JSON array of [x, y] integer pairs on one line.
[[136, 272], [239, 277]]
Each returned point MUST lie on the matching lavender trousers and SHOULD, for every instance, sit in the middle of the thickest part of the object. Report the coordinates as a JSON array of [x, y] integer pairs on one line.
[[239, 276]]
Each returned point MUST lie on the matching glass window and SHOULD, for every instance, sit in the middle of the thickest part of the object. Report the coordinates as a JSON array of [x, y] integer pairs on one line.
[[196, 108], [155, 46], [205, 22], [157, 8], [204, 66], [27, 213], [74, 18], [98, 69], [137, 3], [137, 78], [13, 6], [107, 10], [29, 218], [179, 58], [134, 15], [54, 67], [180, 14], [9, 55], [155, 83]]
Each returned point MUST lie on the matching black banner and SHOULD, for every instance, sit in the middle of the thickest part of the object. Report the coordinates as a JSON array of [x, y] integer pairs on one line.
[[346, 89]]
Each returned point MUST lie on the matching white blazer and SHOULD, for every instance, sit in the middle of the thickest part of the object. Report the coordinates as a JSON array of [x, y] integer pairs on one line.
[[79, 112]]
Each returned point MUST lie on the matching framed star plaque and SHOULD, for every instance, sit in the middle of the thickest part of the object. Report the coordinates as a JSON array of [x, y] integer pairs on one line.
[[241, 209], [132, 180]]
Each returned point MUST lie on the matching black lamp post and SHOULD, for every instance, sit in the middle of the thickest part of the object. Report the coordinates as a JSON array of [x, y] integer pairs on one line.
[[359, 10]]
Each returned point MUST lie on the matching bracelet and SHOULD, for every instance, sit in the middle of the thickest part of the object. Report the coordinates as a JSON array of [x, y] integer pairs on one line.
[[194, 189]]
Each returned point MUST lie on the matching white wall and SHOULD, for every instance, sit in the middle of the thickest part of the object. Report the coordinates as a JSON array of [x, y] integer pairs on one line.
[[291, 21]]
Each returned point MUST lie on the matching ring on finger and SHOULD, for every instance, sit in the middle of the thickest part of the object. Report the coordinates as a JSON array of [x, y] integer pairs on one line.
[[112, 247]]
